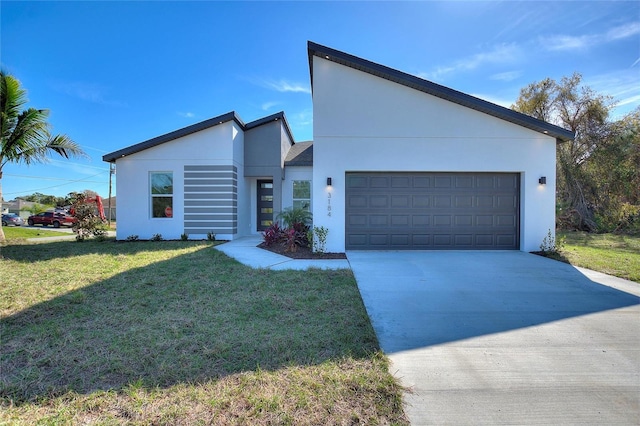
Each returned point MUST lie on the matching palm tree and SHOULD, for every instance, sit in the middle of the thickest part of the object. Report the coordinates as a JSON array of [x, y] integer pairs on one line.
[[25, 133]]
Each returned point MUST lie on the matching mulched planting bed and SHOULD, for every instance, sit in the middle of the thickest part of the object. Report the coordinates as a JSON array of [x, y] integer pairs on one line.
[[301, 252]]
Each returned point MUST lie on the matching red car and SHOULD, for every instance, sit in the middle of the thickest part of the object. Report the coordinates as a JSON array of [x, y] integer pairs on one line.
[[51, 218]]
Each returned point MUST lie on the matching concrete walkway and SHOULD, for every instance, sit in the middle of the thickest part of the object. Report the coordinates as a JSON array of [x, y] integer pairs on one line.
[[245, 251], [505, 337]]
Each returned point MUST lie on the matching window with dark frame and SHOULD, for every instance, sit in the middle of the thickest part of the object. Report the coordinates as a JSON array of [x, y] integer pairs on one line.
[[161, 194]]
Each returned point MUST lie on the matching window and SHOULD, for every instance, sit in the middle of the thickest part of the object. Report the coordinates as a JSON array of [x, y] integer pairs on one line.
[[161, 194], [302, 194]]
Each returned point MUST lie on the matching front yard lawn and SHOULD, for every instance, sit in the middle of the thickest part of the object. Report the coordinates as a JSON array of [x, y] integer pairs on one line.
[[176, 332], [20, 232], [612, 254]]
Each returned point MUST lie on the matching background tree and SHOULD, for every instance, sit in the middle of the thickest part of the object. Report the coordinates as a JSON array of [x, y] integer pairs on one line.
[[581, 110], [614, 171], [36, 208], [25, 135], [88, 220], [38, 197]]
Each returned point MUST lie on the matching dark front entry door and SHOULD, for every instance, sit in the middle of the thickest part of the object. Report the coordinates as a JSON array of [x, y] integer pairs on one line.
[[265, 204]]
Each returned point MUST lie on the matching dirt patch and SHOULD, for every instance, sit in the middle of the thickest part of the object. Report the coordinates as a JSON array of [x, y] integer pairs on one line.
[[301, 252]]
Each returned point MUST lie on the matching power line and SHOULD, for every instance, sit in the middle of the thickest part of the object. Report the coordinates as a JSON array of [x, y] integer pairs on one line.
[[51, 178], [55, 186]]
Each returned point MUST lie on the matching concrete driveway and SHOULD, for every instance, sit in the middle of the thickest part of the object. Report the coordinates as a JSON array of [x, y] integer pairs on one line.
[[505, 337]]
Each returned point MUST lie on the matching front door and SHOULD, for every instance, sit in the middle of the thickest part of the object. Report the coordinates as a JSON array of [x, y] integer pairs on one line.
[[265, 204]]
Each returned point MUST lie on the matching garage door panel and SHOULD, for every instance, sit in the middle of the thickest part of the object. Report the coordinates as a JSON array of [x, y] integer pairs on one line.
[[442, 241], [357, 220], [443, 181], [432, 210], [463, 220], [400, 201], [421, 182], [379, 182], [484, 220], [421, 201], [378, 201], [357, 201], [464, 182], [463, 201], [484, 240], [505, 240], [401, 182], [379, 240], [400, 220], [401, 240], [442, 201], [421, 220]]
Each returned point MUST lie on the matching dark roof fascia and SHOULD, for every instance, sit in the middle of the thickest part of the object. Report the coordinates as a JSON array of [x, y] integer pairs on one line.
[[224, 118], [273, 117], [435, 89]]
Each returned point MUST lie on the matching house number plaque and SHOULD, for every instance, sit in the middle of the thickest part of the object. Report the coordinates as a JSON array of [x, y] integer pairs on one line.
[[328, 204]]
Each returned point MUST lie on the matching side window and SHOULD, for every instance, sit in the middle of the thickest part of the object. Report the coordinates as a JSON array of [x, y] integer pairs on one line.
[[302, 194], [161, 194]]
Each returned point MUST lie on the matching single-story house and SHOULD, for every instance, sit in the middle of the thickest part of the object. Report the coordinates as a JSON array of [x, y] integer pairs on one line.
[[396, 162]]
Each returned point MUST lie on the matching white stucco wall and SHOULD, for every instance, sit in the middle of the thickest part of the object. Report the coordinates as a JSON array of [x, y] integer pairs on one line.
[[365, 123], [219, 145]]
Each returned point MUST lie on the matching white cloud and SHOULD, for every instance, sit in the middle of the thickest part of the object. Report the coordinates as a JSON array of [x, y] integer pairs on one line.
[[586, 41], [283, 85], [186, 114], [621, 85], [302, 124], [500, 54], [506, 76], [266, 106], [623, 31], [565, 42], [90, 92]]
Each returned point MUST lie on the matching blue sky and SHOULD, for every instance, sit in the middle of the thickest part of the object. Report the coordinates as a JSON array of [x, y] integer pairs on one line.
[[117, 73]]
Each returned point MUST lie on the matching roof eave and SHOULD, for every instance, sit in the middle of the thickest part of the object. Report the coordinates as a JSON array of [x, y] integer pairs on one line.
[[167, 137], [434, 89], [273, 117]]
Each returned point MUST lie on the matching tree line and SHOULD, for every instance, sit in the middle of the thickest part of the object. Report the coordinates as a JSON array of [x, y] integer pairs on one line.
[[598, 173]]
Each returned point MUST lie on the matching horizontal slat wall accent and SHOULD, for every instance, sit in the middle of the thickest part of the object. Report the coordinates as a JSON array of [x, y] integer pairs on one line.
[[211, 199]]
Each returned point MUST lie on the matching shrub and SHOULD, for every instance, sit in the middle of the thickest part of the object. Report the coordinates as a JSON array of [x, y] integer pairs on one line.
[[318, 238], [157, 237], [291, 216], [551, 245], [211, 236], [294, 239], [87, 220], [273, 234], [133, 237], [184, 237]]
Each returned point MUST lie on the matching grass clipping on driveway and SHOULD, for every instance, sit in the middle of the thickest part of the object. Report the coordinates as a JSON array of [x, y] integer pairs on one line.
[[178, 333]]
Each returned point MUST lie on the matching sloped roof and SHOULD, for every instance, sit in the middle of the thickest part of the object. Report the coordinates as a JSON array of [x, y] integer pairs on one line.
[[300, 154], [215, 121], [435, 89]]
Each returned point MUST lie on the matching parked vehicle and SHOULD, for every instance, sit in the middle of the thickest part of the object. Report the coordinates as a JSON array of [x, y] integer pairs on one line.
[[51, 218], [11, 219]]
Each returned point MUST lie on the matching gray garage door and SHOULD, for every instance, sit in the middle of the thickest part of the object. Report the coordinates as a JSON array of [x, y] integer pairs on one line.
[[418, 211]]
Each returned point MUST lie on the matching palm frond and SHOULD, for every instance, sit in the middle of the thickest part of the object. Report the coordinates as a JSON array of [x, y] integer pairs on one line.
[[25, 134]]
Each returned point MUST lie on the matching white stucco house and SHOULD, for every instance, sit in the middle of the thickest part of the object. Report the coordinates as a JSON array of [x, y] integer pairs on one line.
[[396, 162]]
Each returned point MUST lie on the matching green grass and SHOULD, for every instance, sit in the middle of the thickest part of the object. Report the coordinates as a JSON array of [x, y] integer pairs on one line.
[[617, 255], [19, 232], [175, 332]]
